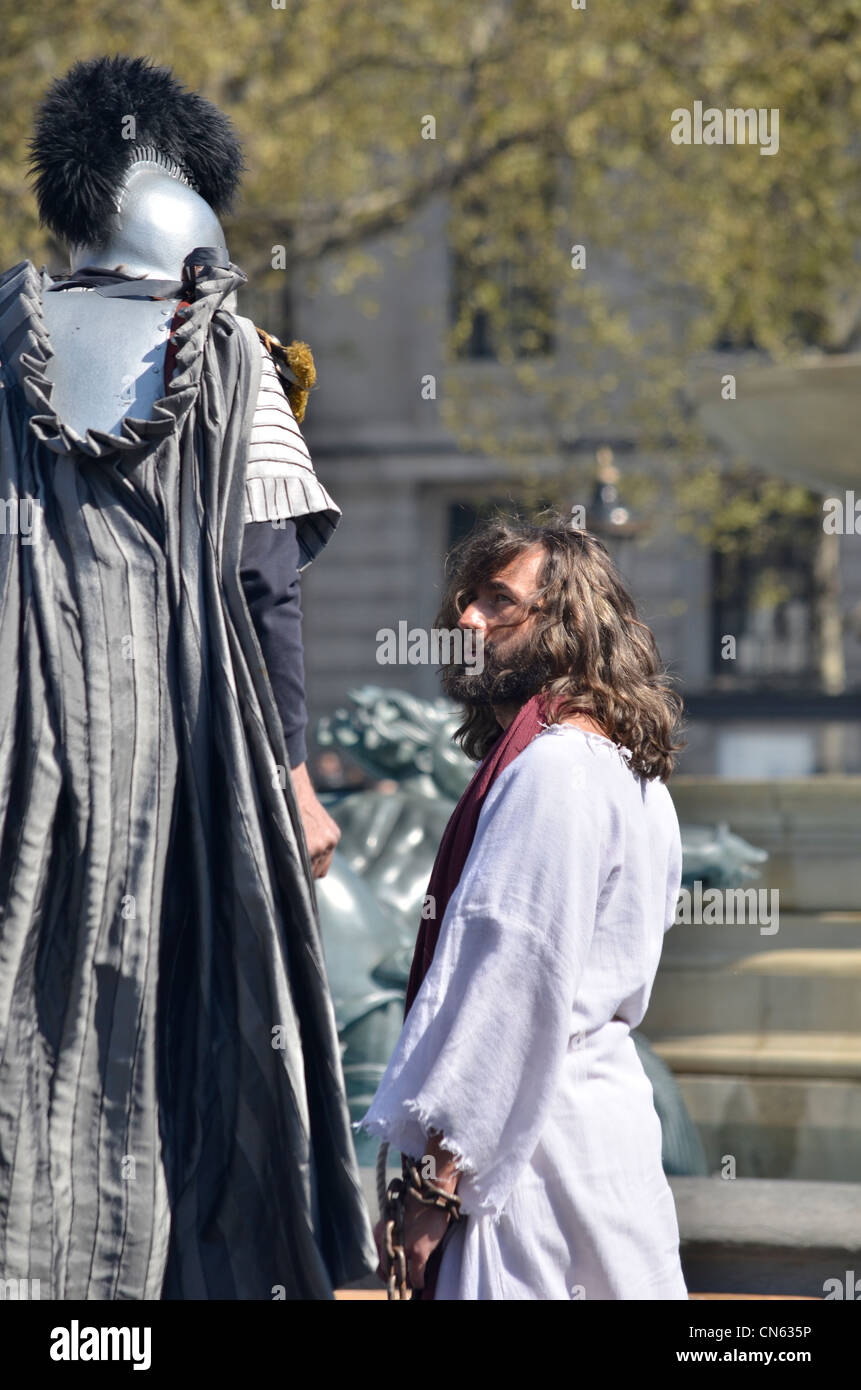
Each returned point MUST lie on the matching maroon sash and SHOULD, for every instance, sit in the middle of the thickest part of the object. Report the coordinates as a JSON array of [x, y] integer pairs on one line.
[[448, 866], [457, 838]]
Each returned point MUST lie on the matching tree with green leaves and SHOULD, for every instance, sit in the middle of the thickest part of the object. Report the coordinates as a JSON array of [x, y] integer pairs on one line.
[[547, 126]]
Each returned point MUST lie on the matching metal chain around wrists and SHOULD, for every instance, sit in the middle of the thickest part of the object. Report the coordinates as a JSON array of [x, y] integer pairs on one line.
[[427, 1194]]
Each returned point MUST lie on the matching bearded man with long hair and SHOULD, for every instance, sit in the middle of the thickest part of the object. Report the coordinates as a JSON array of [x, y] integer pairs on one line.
[[515, 1082]]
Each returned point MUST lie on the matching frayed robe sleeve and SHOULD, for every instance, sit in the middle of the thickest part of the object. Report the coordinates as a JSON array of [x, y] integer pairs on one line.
[[481, 1052]]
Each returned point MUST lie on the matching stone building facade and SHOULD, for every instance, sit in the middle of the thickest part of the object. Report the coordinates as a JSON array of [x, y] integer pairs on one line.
[[407, 489]]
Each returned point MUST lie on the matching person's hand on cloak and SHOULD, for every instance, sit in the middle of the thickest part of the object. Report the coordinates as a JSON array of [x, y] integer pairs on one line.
[[322, 833]]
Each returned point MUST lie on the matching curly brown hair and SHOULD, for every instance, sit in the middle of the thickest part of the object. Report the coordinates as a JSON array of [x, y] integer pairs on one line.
[[604, 661]]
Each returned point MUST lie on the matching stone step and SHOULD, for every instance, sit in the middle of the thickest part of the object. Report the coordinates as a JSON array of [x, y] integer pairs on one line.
[[720, 944], [784, 1238], [809, 826], [802, 1128], [804, 990], [778, 1054]]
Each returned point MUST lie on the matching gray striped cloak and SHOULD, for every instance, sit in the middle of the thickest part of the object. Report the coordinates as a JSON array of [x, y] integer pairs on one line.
[[172, 1114]]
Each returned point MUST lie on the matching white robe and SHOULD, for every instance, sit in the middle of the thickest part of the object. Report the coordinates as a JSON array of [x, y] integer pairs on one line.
[[517, 1048]]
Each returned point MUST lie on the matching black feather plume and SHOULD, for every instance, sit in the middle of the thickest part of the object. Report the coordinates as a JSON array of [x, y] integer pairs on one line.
[[79, 153]]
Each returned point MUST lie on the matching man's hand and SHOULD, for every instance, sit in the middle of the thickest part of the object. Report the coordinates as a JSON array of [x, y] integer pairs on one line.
[[321, 832], [424, 1228]]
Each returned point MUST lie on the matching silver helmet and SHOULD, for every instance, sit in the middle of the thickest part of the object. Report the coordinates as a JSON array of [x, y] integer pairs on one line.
[[131, 169], [159, 219], [131, 172]]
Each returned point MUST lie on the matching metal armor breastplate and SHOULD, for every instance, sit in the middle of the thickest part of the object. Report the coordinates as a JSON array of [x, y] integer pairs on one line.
[[108, 357]]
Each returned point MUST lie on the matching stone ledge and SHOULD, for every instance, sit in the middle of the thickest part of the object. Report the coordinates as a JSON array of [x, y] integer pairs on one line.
[[828, 1055], [797, 991], [810, 828], [811, 802], [768, 1236], [770, 1212], [718, 943]]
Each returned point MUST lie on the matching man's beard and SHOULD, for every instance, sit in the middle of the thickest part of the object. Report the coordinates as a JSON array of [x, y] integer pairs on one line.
[[509, 680]]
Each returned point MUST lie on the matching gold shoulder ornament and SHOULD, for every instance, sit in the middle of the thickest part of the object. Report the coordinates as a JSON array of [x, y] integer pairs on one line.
[[295, 367]]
